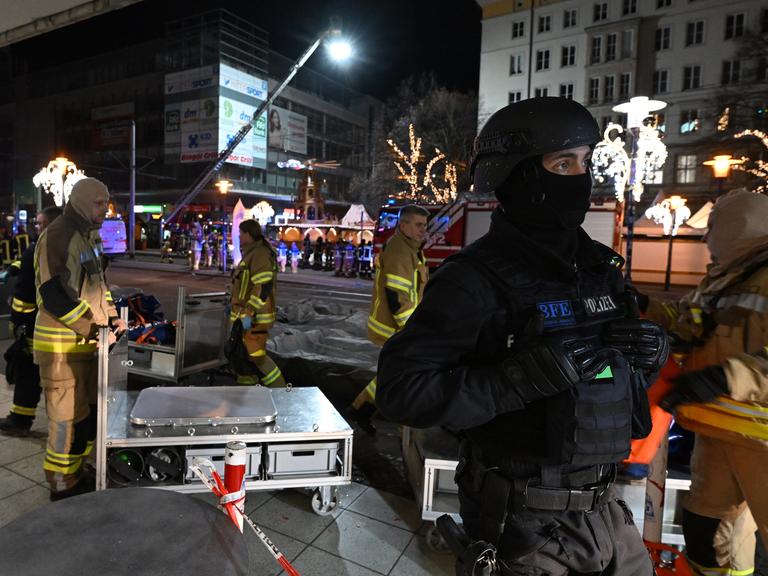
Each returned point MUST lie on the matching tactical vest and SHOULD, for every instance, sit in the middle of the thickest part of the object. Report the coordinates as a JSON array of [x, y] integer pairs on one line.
[[591, 423]]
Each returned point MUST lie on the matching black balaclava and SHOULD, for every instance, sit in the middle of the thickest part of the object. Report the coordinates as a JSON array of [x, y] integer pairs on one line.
[[548, 208]]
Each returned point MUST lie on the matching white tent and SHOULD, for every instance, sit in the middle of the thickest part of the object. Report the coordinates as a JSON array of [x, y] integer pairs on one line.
[[357, 217]]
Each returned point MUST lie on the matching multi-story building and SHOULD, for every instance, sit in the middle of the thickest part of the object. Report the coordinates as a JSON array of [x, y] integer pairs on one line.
[[82, 109], [693, 54]]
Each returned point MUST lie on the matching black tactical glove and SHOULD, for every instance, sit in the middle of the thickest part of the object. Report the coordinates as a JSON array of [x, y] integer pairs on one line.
[[643, 343], [548, 366], [699, 386]]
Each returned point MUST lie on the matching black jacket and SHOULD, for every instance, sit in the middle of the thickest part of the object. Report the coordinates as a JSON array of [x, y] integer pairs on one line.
[[445, 367]]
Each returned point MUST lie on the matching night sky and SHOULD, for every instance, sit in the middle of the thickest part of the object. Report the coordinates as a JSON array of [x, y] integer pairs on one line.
[[393, 38]]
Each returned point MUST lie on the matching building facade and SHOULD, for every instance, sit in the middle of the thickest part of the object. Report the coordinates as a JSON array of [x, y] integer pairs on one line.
[[83, 109], [705, 58]]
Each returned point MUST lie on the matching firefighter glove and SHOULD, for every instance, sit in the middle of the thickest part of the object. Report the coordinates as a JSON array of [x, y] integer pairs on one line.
[[699, 386], [643, 343], [550, 366], [247, 322]]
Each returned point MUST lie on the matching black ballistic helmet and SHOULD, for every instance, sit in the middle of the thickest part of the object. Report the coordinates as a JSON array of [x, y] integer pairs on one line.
[[524, 129]]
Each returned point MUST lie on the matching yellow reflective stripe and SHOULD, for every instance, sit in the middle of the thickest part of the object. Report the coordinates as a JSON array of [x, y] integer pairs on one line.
[[16, 264], [710, 415], [23, 410], [264, 318], [88, 447], [271, 377], [718, 571], [261, 277], [403, 316], [62, 347], [53, 329], [371, 389], [398, 283], [244, 285], [379, 328], [75, 314], [108, 296], [740, 408], [256, 302], [258, 353], [61, 468], [23, 307], [246, 380]]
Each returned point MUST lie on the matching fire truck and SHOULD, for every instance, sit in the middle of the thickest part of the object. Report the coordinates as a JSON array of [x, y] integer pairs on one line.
[[453, 226]]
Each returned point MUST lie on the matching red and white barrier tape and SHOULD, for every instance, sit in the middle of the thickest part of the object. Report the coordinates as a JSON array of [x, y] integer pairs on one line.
[[227, 501]]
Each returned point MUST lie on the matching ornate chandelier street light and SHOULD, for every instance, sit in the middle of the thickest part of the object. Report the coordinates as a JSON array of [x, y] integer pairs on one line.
[[632, 170], [58, 178], [671, 213]]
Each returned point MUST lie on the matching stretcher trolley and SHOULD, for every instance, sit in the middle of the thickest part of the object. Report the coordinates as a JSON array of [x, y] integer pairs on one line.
[[294, 436], [202, 328]]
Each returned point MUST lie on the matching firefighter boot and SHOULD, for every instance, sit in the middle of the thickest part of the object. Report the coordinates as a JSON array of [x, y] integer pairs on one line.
[[87, 483], [16, 425]]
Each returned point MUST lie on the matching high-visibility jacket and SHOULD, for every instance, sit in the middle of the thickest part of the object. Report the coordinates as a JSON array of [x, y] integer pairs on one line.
[[24, 302], [73, 297], [22, 243], [253, 285], [726, 319], [398, 286]]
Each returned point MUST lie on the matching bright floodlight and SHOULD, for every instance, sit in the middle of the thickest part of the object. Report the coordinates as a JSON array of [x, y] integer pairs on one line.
[[339, 49]]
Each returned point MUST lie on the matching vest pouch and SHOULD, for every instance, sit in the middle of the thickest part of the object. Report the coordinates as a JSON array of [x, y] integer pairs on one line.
[[591, 422]]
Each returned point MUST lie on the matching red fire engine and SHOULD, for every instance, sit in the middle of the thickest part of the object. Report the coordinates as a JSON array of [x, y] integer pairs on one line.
[[453, 226]]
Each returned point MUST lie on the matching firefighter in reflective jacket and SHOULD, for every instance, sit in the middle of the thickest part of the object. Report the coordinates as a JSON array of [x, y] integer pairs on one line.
[[399, 283], [26, 393], [253, 302], [527, 344], [722, 394], [73, 301]]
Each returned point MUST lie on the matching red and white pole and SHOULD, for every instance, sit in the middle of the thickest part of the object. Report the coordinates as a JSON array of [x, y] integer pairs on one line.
[[235, 458]]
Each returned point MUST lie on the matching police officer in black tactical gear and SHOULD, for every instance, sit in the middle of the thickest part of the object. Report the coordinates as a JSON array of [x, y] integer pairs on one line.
[[527, 343]]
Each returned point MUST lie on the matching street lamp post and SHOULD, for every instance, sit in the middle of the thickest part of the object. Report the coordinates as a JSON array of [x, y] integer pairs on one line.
[[224, 187], [647, 155], [721, 168], [671, 213], [337, 48]]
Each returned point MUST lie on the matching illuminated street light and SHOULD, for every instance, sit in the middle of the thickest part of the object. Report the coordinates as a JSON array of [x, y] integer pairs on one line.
[[721, 168], [647, 156], [57, 179], [224, 186], [671, 213], [339, 49]]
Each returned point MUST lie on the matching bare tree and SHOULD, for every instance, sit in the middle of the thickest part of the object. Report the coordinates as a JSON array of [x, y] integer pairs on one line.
[[442, 118]]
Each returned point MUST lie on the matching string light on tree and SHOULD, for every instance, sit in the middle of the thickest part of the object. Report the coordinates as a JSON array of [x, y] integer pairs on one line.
[[424, 189], [58, 178], [757, 168]]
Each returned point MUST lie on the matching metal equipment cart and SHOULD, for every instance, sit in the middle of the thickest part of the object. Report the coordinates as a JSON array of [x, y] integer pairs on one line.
[[309, 445], [201, 331]]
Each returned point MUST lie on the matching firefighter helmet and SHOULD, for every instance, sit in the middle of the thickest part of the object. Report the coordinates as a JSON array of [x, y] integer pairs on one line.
[[524, 129]]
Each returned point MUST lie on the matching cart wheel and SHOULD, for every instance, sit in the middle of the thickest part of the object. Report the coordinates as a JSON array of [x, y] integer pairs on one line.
[[435, 541], [324, 508]]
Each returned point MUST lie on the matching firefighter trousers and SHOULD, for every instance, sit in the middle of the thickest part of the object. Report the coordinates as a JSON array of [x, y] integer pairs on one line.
[[70, 389], [727, 503], [26, 393], [268, 373]]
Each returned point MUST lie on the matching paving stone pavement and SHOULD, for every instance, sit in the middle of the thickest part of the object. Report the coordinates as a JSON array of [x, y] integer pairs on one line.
[[372, 532]]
